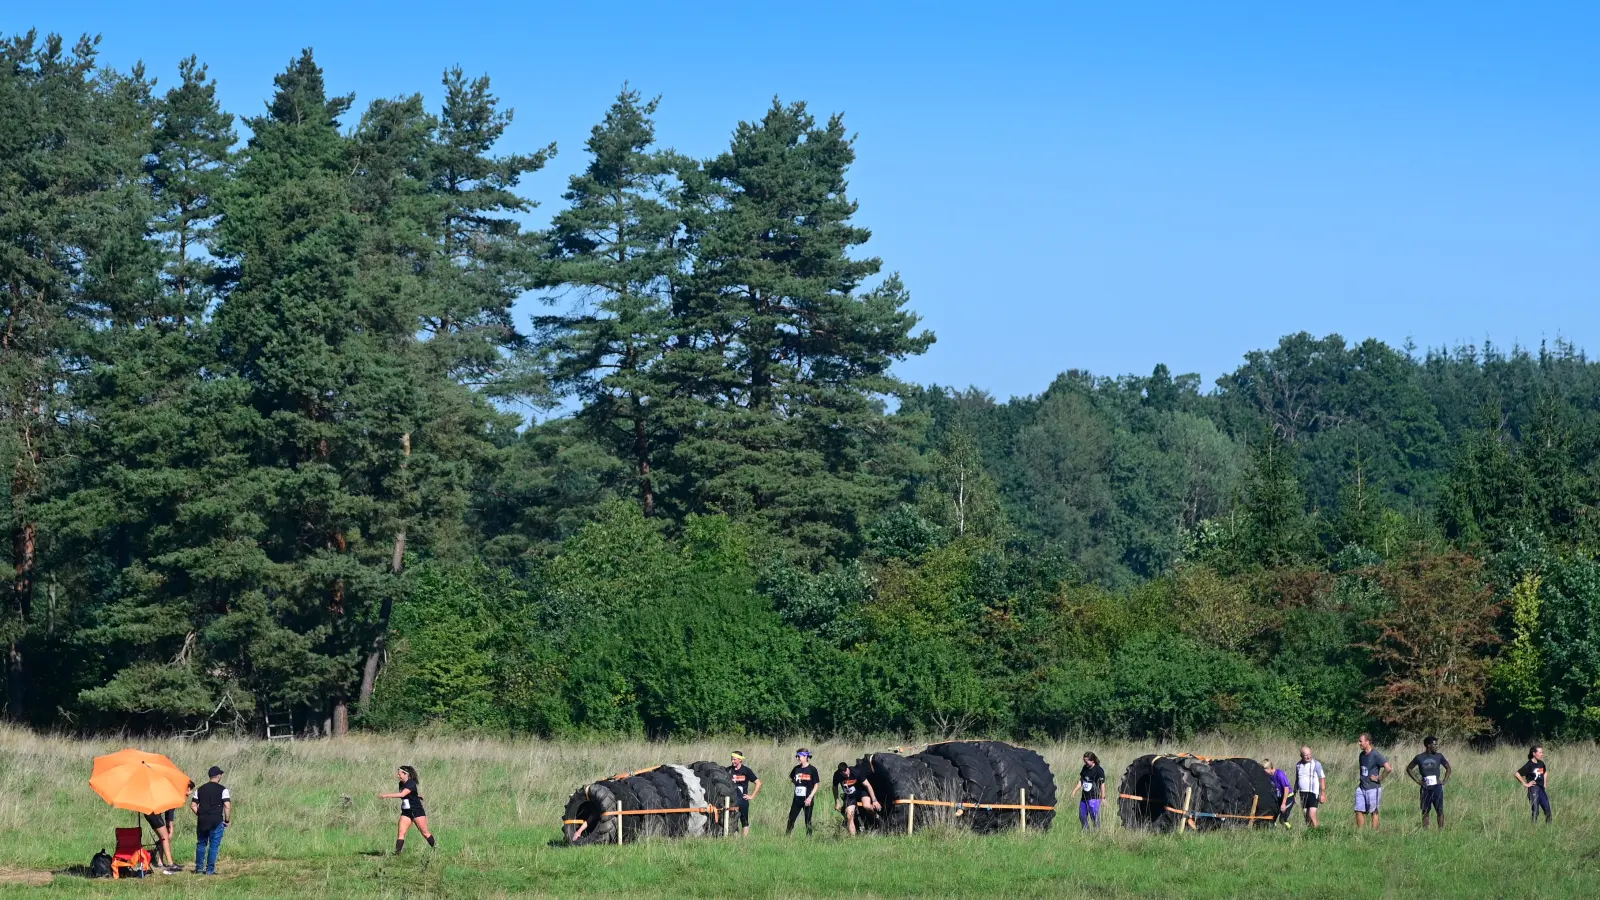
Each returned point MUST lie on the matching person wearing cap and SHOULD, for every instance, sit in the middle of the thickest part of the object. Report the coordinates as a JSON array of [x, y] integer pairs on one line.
[[748, 784], [212, 805], [806, 779]]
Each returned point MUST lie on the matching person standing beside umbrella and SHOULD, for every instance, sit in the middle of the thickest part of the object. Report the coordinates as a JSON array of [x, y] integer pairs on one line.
[[212, 805], [161, 824]]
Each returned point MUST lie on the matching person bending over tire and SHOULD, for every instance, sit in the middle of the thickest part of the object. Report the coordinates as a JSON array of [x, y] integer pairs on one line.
[[1374, 767], [748, 784], [1280, 789], [1311, 782], [852, 793], [1535, 776], [411, 809], [1092, 786], [1431, 770], [806, 779]]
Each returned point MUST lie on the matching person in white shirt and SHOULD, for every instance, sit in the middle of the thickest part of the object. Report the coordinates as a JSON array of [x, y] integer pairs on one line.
[[1311, 783]]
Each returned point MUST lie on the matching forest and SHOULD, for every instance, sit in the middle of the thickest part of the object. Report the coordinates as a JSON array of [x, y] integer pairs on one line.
[[278, 444]]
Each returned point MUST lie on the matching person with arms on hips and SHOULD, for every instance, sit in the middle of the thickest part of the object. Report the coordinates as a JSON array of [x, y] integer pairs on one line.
[[411, 809], [1311, 782], [1369, 790], [806, 780], [852, 793], [1280, 788], [212, 805], [1535, 776], [747, 784], [1431, 770], [1092, 786]]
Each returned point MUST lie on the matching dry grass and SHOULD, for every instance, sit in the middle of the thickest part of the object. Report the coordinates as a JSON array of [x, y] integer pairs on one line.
[[308, 823]]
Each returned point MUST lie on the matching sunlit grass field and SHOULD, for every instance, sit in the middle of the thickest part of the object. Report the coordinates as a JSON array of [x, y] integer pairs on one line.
[[308, 824]]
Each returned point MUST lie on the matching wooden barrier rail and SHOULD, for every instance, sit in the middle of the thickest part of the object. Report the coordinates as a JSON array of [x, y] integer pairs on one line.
[[717, 813], [962, 806]]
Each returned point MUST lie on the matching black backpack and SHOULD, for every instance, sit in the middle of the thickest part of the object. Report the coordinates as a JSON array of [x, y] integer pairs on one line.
[[100, 866]]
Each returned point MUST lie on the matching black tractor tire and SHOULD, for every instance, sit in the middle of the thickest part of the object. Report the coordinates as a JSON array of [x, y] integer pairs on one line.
[[1261, 790], [720, 793], [695, 823], [1041, 787], [944, 785], [1152, 786], [1209, 794], [673, 824], [1011, 781], [588, 803], [894, 778], [650, 824], [1236, 793], [977, 782], [622, 790]]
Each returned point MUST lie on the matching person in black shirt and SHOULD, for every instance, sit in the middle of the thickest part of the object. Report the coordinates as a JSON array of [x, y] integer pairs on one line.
[[1092, 785], [748, 784], [806, 780], [411, 808], [212, 805], [1431, 770], [852, 792], [1535, 776]]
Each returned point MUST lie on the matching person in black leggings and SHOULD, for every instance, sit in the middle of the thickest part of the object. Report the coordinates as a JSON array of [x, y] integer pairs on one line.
[[1535, 776], [806, 779]]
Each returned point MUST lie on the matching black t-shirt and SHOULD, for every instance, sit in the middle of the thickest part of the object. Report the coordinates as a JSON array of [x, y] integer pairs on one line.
[[1095, 777], [210, 797], [414, 801], [849, 784], [743, 777], [1533, 770], [806, 780], [1430, 767]]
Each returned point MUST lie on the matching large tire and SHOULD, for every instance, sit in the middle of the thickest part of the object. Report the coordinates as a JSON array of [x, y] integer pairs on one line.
[[1151, 787], [650, 824], [944, 784], [1260, 789], [588, 803], [720, 792], [673, 824], [1236, 793], [894, 778], [977, 781], [1013, 781], [1209, 794], [1041, 787], [622, 791], [689, 785]]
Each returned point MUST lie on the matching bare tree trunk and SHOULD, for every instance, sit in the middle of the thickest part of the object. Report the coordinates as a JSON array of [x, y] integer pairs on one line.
[[341, 718], [641, 451], [397, 560]]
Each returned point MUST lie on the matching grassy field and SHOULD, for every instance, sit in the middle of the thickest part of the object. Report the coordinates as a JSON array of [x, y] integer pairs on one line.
[[308, 824]]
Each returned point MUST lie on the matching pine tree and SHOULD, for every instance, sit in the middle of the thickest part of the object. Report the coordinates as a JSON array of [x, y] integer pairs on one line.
[[616, 255], [190, 164], [782, 358]]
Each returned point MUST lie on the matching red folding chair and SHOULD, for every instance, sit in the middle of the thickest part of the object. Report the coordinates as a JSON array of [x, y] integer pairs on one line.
[[131, 853]]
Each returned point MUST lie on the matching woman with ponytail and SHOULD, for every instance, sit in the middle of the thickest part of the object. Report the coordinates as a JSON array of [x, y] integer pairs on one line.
[[411, 809]]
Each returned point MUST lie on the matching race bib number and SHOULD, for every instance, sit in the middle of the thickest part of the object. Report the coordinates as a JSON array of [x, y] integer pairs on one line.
[[405, 804], [1088, 787], [1363, 771], [799, 790], [1430, 780]]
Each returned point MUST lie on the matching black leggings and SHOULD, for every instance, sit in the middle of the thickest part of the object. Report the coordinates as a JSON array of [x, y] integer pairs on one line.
[[1538, 799], [795, 809]]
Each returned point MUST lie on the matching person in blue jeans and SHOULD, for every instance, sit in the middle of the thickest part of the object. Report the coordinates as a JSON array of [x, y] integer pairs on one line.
[[212, 806]]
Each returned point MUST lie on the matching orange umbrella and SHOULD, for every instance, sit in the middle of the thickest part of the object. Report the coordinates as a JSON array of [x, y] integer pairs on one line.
[[142, 782]]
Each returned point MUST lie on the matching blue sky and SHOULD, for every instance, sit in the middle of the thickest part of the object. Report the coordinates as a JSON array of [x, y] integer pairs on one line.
[[1097, 186]]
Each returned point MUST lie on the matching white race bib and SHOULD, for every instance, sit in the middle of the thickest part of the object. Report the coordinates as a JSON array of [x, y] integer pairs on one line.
[[799, 790], [405, 804], [1430, 780], [1088, 787], [1363, 771]]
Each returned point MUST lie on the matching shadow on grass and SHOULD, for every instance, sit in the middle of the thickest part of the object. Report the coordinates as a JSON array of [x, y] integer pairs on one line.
[[75, 872]]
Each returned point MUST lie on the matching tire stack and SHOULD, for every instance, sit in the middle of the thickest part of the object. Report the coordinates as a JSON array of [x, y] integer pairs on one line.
[[966, 772], [693, 786], [1164, 792]]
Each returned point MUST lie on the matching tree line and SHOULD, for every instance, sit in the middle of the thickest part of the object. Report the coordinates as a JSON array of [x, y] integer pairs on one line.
[[260, 383]]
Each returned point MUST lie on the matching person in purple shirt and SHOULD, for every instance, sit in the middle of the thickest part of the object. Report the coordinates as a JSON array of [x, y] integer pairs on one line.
[[1280, 784]]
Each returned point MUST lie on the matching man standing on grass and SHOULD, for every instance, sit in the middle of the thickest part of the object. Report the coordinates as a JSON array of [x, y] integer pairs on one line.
[[1431, 770], [806, 779], [212, 805], [1281, 788], [1369, 790], [1312, 783], [1534, 776], [748, 785]]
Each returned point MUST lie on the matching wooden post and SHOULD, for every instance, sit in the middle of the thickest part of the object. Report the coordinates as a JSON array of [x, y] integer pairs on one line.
[[1188, 821], [1254, 802], [911, 815], [619, 823], [725, 808], [1024, 804]]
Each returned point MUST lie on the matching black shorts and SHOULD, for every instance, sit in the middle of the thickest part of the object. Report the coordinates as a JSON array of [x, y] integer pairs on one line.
[[159, 820], [1433, 797], [1308, 800], [414, 811]]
